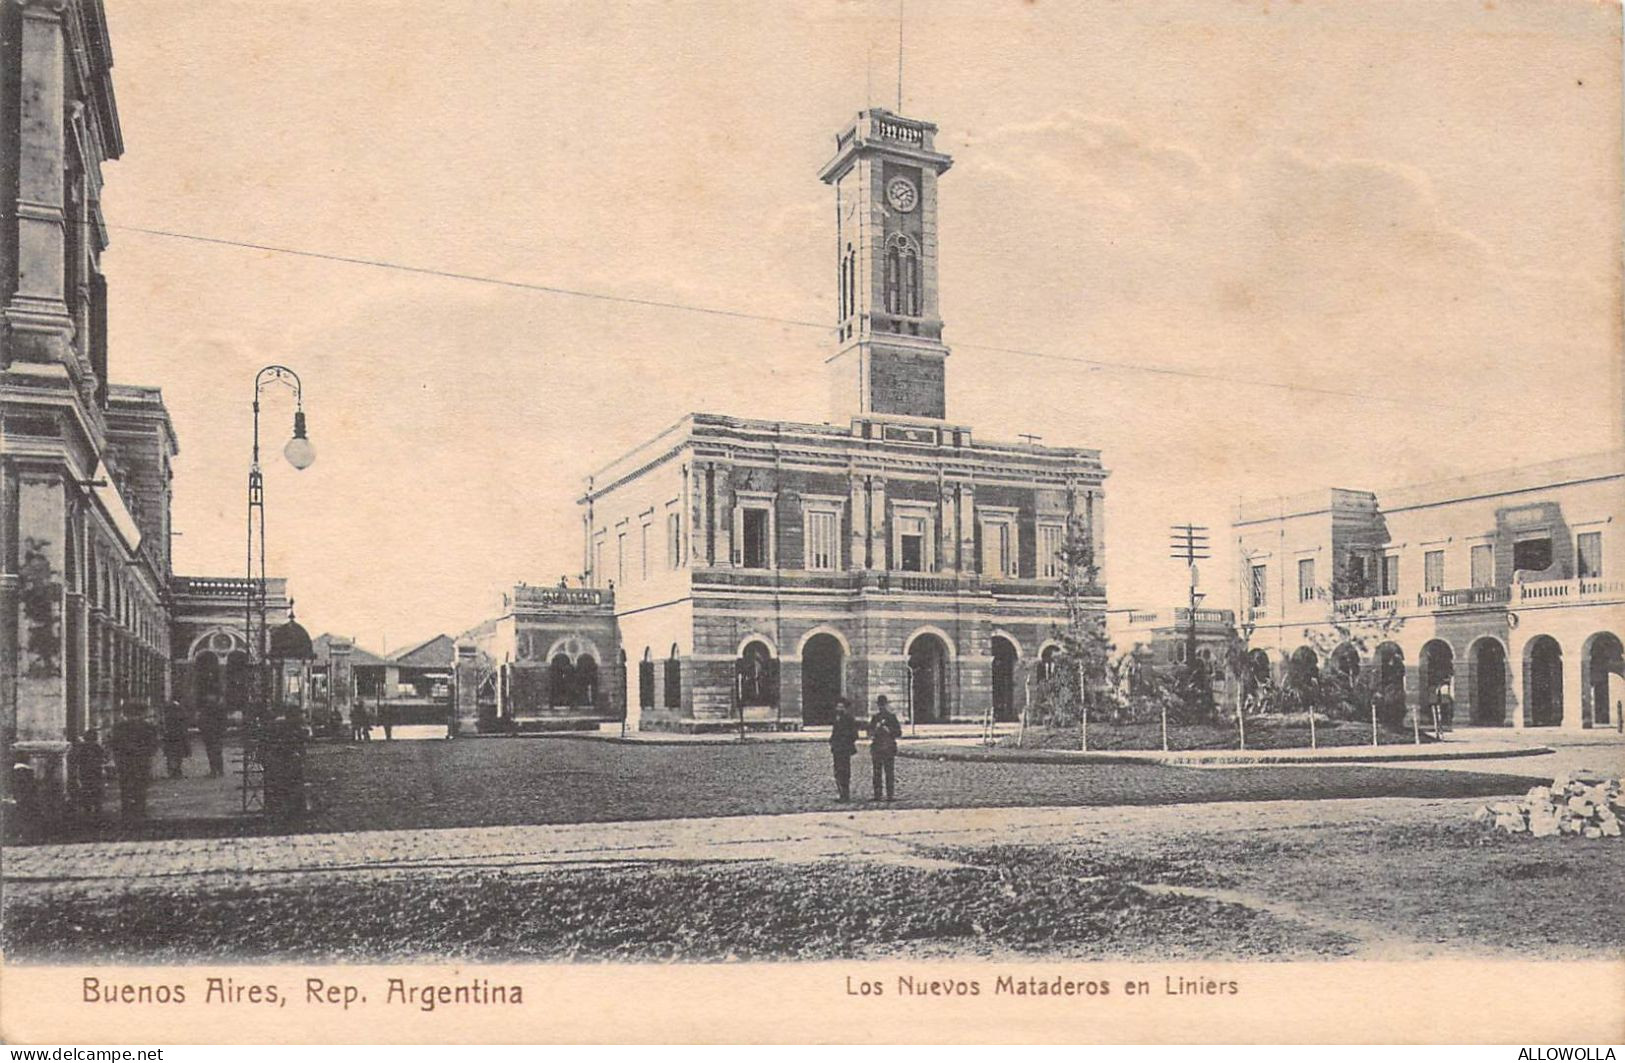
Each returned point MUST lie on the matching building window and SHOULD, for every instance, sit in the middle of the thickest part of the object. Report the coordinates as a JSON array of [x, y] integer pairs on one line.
[[1260, 581], [1433, 570], [1588, 553], [911, 544], [823, 540], [902, 276], [646, 682], [674, 681], [620, 559], [1482, 560], [643, 552], [674, 541], [1532, 555], [1051, 540], [1306, 579], [1389, 575], [754, 538], [999, 546]]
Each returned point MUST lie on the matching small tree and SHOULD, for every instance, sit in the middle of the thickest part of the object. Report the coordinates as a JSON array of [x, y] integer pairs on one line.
[[1362, 694], [1080, 684]]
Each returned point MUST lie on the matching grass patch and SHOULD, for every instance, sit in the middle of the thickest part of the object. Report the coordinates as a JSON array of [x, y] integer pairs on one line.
[[1261, 735], [1002, 901]]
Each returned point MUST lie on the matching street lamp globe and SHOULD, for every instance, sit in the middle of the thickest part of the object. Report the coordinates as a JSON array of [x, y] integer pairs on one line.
[[299, 451]]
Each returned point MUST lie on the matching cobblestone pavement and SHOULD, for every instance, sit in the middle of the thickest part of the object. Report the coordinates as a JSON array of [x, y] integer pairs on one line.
[[878, 833]]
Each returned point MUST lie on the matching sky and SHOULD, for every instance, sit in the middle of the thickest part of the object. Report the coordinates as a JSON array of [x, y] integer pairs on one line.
[[1348, 242]]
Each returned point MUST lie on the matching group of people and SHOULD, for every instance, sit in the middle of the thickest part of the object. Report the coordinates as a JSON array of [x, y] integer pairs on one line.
[[361, 721], [884, 731], [131, 746]]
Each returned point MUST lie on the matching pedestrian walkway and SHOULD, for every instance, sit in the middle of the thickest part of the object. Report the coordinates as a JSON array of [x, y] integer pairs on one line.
[[975, 749], [869, 832], [971, 731]]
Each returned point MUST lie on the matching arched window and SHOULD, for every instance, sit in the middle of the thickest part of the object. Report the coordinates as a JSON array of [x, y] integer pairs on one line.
[[902, 276], [646, 681], [851, 280], [674, 680]]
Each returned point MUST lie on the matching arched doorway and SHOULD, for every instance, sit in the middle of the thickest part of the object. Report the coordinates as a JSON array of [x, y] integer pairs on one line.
[[234, 686], [1345, 662], [1436, 674], [205, 679], [1487, 670], [928, 679], [560, 676], [1604, 671], [1004, 678], [1303, 671], [1543, 681], [821, 667], [1255, 672], [758, 675], [586, 681]]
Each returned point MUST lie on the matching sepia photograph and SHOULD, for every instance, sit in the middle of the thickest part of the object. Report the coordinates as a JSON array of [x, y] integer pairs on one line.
[[1023, 504]]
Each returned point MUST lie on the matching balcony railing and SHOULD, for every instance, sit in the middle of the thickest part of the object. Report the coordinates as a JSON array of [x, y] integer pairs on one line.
[[1464, 597], [531, 597], [902, 132], [1551, 592], [887, 582], [1344, 608], [1559, 590]]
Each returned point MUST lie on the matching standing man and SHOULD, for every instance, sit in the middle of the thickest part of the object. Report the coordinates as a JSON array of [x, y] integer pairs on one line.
[[386, 716], [884, 731], [177, 743], [87, 769], [843, 745], [134, 742], [211, 727]]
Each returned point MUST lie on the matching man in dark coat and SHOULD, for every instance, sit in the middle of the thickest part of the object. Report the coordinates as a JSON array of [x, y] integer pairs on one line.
[[177, 742], [134, 742], [386, 716], [87, 762], [843, 745], [211, 727], [884, 731]]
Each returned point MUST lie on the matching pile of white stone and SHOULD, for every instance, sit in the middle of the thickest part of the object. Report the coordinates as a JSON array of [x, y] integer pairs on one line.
[[1581, 803]]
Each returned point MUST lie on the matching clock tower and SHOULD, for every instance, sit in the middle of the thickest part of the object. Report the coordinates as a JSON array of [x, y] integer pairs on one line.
[[890, 358]]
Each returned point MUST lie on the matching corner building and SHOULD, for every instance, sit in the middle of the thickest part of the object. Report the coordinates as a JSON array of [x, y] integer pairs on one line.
[[1501, 588], [761, 569]]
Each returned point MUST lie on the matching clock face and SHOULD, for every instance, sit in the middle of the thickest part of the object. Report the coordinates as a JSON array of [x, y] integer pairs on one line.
[[901, 194]]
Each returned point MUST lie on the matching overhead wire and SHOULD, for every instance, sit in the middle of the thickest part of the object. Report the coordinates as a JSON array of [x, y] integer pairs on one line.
[[743, 315]]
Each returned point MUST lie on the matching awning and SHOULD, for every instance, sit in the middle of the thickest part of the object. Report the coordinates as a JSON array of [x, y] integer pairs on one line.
[[107, 492]]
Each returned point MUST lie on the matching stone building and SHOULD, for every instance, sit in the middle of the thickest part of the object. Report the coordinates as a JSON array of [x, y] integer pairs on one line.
[[84, 481], [209, 625], [90, 614], [1501, 588], [762, 568], [550, 661]]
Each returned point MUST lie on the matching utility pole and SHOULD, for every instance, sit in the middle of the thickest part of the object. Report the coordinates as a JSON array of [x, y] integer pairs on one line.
[[1189, 543]]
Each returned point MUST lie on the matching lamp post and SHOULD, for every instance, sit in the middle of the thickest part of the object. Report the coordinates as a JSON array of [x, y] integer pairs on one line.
[[300, 454]]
